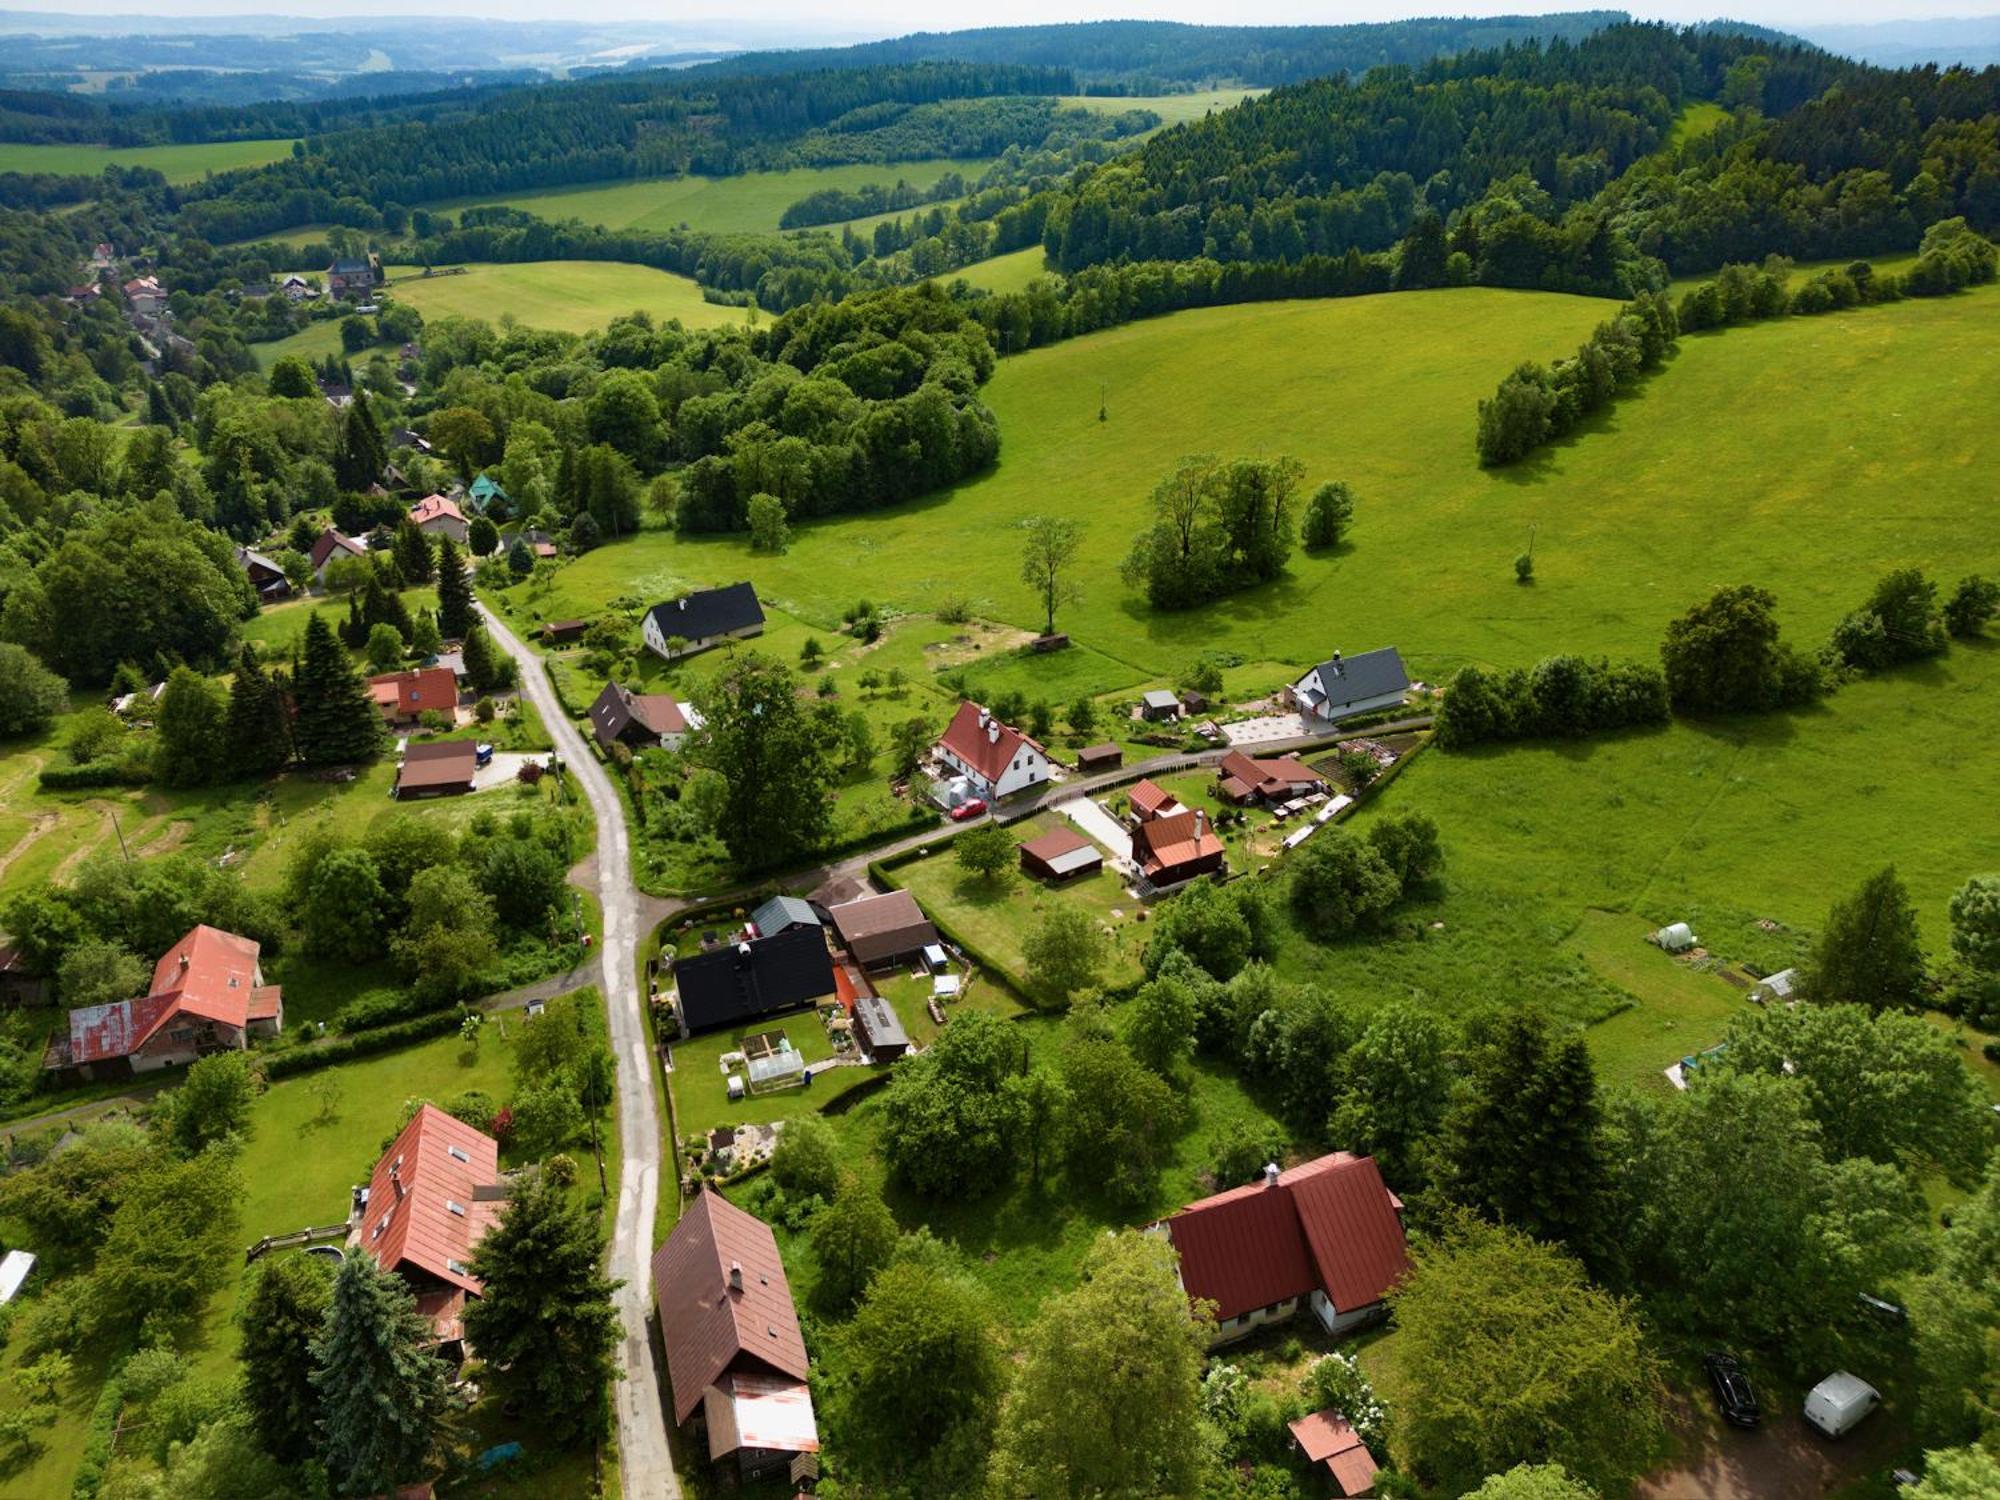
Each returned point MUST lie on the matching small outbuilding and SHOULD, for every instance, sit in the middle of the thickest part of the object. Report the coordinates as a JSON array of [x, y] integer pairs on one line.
[[1328, 1438], [1776, 987], [782, 914], [437, 768], [1104, 757], [878, 1029], [1060, 854], [562, 632], [1676, 937], [14, 1269], [1159, 704]]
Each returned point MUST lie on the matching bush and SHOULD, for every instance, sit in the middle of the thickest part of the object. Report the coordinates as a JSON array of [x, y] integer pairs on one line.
[[1564, 696], [130, 770], [363, 1044]]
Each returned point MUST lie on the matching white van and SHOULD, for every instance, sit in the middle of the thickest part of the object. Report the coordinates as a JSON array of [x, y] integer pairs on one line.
[[1838, 1403]]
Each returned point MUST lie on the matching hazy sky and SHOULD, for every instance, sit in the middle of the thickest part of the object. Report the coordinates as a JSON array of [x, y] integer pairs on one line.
[[891, 17]]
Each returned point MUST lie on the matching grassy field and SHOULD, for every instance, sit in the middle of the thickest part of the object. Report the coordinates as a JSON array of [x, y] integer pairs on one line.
[[745, 204], [179, 163], [1173, 109], [1696, 120], [1004, 273], [1841, 421]]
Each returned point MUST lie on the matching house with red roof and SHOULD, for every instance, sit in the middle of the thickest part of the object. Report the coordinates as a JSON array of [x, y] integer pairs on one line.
[[430, 1201], [436, 515], [1327, 1235], [330, 545], [1242, 779], [984, 758], [405, 697], [208, 995], [1172, 848], [1149, 800], [736, 1359]]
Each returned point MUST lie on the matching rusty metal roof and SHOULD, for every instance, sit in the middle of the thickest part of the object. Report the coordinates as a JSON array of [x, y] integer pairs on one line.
[[425, 1208]]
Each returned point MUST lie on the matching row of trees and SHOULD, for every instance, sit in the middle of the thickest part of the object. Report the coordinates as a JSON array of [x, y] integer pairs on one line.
[[1537, 404], [1217, 527], [1561, 697]]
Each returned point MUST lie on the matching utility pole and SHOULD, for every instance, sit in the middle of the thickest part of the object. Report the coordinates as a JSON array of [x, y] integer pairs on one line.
[[121, 839]]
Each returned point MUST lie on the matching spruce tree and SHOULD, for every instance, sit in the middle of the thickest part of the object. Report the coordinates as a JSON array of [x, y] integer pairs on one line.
[[455, 615], [1869, 951], [258, 735], [546, 1313], [413, 552], [362, 452], [354, 629], [158, 413], [381, 1391], [285, 1313], [337, 720], [482, 667], [382, 605]]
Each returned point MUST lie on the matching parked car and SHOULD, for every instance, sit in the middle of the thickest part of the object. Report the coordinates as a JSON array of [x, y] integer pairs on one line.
[[483, 756], [1733, 1395], [967, 810], [1838, 1403]]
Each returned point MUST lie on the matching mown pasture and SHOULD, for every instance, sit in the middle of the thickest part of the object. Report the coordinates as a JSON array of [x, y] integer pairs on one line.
[[179, 163]]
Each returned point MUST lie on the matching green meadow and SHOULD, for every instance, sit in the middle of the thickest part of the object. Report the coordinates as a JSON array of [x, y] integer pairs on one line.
[[180, 163], [749, 203], [1004, 273], [1173, 109]]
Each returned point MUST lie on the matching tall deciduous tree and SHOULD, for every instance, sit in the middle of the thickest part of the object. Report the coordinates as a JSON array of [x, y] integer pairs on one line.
[[1520, 1142], [1328, 514], [921, 1357], [1509, 1355], [1395, 1081], [285, 1311], [213, 1104], [258, 732], [545, 1315], [1956, 1309], [455, 613], [949, 1118], [189, 738], [772, 760], [1869, 951], [1107, 1400], [852, 1238], [1064, 953], [1533, 1482], [30, 694], [337, 720], [382, 1392], [1048, 549], [1724, 656]]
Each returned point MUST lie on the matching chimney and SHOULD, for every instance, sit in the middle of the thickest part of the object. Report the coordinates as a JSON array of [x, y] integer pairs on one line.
[[736, 1276], [742, 953], [1336, 661], [1270, 1174], [983, 717], [396, 1179], [1200, 823], [993, 734], [184, 960]]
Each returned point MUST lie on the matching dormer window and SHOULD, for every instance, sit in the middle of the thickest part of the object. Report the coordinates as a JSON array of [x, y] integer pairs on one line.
[[453, 1207], [456, 1153]]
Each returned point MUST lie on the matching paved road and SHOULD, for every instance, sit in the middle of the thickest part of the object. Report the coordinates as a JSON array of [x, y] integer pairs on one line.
[[644, 1462]]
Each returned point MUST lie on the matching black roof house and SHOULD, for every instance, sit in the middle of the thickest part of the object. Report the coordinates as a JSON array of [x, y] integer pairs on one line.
[[708, 613], [757, 978]]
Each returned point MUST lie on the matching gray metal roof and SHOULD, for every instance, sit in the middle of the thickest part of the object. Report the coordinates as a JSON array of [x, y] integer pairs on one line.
[[1372, 674], [781, 912], [879, 1022], [1161, 698]]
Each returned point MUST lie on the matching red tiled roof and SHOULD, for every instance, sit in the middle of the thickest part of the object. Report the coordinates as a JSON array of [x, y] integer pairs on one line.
[[1266, 776], [1174, 842], [1327, 1437], [707, 1327], [1148, 799], [435, 507], [1056, 843], [424, 1206], [988, 747], [330, 541], [1328, 1224], [421, 691]]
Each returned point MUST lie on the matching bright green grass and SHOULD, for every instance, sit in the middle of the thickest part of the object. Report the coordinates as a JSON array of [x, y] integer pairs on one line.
[[1004, 273], [1696, 120], [1854, 443], [1173, 109], [1894, 264], [746, 204], [179, 163]]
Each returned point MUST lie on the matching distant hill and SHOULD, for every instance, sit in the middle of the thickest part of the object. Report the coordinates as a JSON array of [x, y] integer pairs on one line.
[[1972, 42]]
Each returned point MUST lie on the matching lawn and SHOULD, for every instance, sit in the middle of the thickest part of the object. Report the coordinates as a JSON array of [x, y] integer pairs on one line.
[[1173, 109], [1004, 273], [180, 163], [1840, 420], [749, 203]]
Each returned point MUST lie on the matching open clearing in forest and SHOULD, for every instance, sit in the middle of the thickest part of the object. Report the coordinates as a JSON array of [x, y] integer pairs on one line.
[[180, 163]]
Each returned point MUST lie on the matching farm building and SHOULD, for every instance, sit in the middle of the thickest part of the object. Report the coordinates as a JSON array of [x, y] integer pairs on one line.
[[351, 276], [758, 977], [705, 618], [881, 930], [1104, 757], [265, 576], [1176, 847], [736, 1358], [438, 515], [1328, 1439], [1159, 705], [1242, 779], [1341, 687], [878, 1030], [563, 632], [436, 768], [655, 719], [1060, 854], [430, 1201], [782, 914], [984, 758], [17, 985], [405, 697], [1328, 1234], [208, 995]]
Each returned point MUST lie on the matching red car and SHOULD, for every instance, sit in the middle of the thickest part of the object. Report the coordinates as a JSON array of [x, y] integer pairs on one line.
[[966, 810]]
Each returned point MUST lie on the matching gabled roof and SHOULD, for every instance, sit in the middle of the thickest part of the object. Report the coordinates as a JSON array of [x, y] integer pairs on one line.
[[882, 926], [710, 1328], [761, 977], [348, 265], [1350, 679], [706, 613], [209, 973], [781, 912], [431, 1199], [618, 708], [485, 487], [435, 508], [982, 742], [1149, 799], [1173, 841], [437, 763], [406, 694], [1329, 1224], [330, 541], [1267, 776], [1327, 1437]]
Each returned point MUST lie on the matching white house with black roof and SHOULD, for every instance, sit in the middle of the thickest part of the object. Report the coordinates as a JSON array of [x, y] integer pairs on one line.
[[1341, 687], [707, 617]]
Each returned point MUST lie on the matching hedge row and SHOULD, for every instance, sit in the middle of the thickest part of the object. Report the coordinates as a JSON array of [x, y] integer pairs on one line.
[[95, 774], [361, 1044], [98, 1436]]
